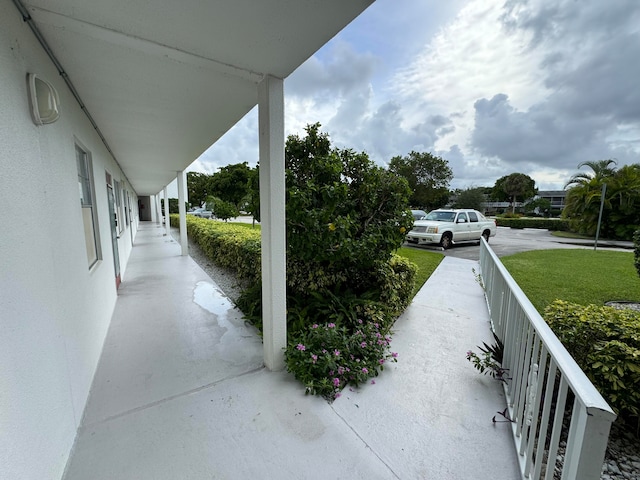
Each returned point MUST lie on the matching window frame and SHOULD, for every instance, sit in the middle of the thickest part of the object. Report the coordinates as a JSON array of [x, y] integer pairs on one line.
[[87, 191]]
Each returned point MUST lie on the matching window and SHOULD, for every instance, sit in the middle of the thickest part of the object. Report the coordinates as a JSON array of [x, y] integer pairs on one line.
[[87, 203], [462, 217], [473, 217]]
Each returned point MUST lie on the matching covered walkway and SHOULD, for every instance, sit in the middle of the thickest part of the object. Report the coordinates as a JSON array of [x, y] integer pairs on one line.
[[181, 393]]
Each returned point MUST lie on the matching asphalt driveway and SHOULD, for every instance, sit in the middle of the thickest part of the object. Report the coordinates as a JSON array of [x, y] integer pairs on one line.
[[509, 241]]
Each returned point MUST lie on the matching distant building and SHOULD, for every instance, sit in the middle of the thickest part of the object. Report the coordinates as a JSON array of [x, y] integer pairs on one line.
[[556, 197]]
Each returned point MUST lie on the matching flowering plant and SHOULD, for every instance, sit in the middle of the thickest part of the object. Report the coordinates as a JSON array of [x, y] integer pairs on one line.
[[327, 357]]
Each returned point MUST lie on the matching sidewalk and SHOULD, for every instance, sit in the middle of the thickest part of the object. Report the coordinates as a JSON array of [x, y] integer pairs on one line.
[[180, 391]]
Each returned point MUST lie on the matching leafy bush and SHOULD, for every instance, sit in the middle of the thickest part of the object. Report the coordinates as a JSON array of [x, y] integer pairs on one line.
[[510, 215], [326, 357], [345, 216], [342, 209], [554, 224], [605, 342]]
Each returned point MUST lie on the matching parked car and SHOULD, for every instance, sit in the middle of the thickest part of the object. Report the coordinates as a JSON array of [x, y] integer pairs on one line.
[[201, 212], [418, 214], [446, 227]]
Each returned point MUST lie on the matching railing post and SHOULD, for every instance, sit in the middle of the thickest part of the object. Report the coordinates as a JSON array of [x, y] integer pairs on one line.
[[586, 443]]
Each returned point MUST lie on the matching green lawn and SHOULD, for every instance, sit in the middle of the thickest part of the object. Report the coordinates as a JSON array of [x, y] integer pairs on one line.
[[245, 225], [579, 276], [426, 262]]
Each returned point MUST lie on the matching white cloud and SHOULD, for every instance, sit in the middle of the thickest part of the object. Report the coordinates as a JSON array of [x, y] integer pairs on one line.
[[493, 86]]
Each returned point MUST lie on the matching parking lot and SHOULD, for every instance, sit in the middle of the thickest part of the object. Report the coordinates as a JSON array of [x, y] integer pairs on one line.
[[509, 241]]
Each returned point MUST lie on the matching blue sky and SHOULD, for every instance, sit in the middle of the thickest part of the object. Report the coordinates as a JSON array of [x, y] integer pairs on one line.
[[492, 86]]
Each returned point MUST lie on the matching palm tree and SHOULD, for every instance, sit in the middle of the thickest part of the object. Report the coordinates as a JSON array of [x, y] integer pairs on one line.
[[601, 169], [621, 204]]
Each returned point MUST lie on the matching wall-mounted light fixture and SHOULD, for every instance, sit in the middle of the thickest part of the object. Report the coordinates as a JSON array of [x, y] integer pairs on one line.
[[43, 100]]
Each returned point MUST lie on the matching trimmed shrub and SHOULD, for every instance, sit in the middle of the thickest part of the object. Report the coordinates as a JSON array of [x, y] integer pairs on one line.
[[230, 246], [605, 342], [554, 224]]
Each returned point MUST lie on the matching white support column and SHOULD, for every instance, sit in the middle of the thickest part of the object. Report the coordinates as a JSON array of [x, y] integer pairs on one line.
[[183, 213], [272, 219], [158, 211], [167, 226]]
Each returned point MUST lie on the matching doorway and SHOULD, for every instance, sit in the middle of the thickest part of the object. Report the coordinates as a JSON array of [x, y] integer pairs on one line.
[[113, 220]]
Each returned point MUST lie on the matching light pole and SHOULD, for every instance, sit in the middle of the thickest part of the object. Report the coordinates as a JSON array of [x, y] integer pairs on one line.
[[604, 190]]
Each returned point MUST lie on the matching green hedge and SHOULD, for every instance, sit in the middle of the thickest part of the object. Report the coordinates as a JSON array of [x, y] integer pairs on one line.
[[389, 286], [230, 246], [557, 224], [605, 342]]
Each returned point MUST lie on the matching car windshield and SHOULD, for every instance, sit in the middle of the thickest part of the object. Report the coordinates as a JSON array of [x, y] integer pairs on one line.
[[441, 216]]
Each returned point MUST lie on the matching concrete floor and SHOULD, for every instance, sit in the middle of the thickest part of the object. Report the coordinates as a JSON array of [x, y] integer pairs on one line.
[[181, 393]]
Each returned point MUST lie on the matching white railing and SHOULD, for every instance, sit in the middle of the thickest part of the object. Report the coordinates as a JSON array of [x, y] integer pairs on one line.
[[541, 380]]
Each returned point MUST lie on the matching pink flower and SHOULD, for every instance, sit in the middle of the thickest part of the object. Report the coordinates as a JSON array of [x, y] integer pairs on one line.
[[336, 353], [315, 325], [314, 358], [331, 325], [364, 370], [381, 361], [360, 322], [394, 354], [338, 395], [301, 347], [336, 382], [373, 382], [363, 344]]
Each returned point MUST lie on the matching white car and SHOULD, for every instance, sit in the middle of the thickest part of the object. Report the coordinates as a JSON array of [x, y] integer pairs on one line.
[[418, 214], [201, 212], [447, 227]]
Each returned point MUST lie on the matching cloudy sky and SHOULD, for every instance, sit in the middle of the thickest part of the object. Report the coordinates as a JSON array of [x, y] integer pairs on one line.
[[492, 86]]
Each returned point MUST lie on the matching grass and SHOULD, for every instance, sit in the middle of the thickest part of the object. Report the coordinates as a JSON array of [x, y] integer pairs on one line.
[[560, 234], [580, 276], [426, 262], [245, 225]]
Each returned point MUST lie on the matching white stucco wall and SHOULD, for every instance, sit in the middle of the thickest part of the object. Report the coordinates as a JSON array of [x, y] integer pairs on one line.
[[54, 312]]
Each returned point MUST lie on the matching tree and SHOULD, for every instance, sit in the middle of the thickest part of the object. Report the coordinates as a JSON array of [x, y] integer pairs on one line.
[[471, 198], [173, 205], [539, 206], [222, 209], [601, 170], [428, 177], [343, 212], [253, 195], [231, 183], [621, 212], [198, 187], [514, 186]]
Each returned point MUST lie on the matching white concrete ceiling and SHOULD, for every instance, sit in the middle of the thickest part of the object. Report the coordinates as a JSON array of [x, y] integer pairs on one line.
[[165, 79]]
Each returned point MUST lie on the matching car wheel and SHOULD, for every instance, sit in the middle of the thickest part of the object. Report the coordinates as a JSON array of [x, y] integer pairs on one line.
[[445, 241], [486, 234]]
